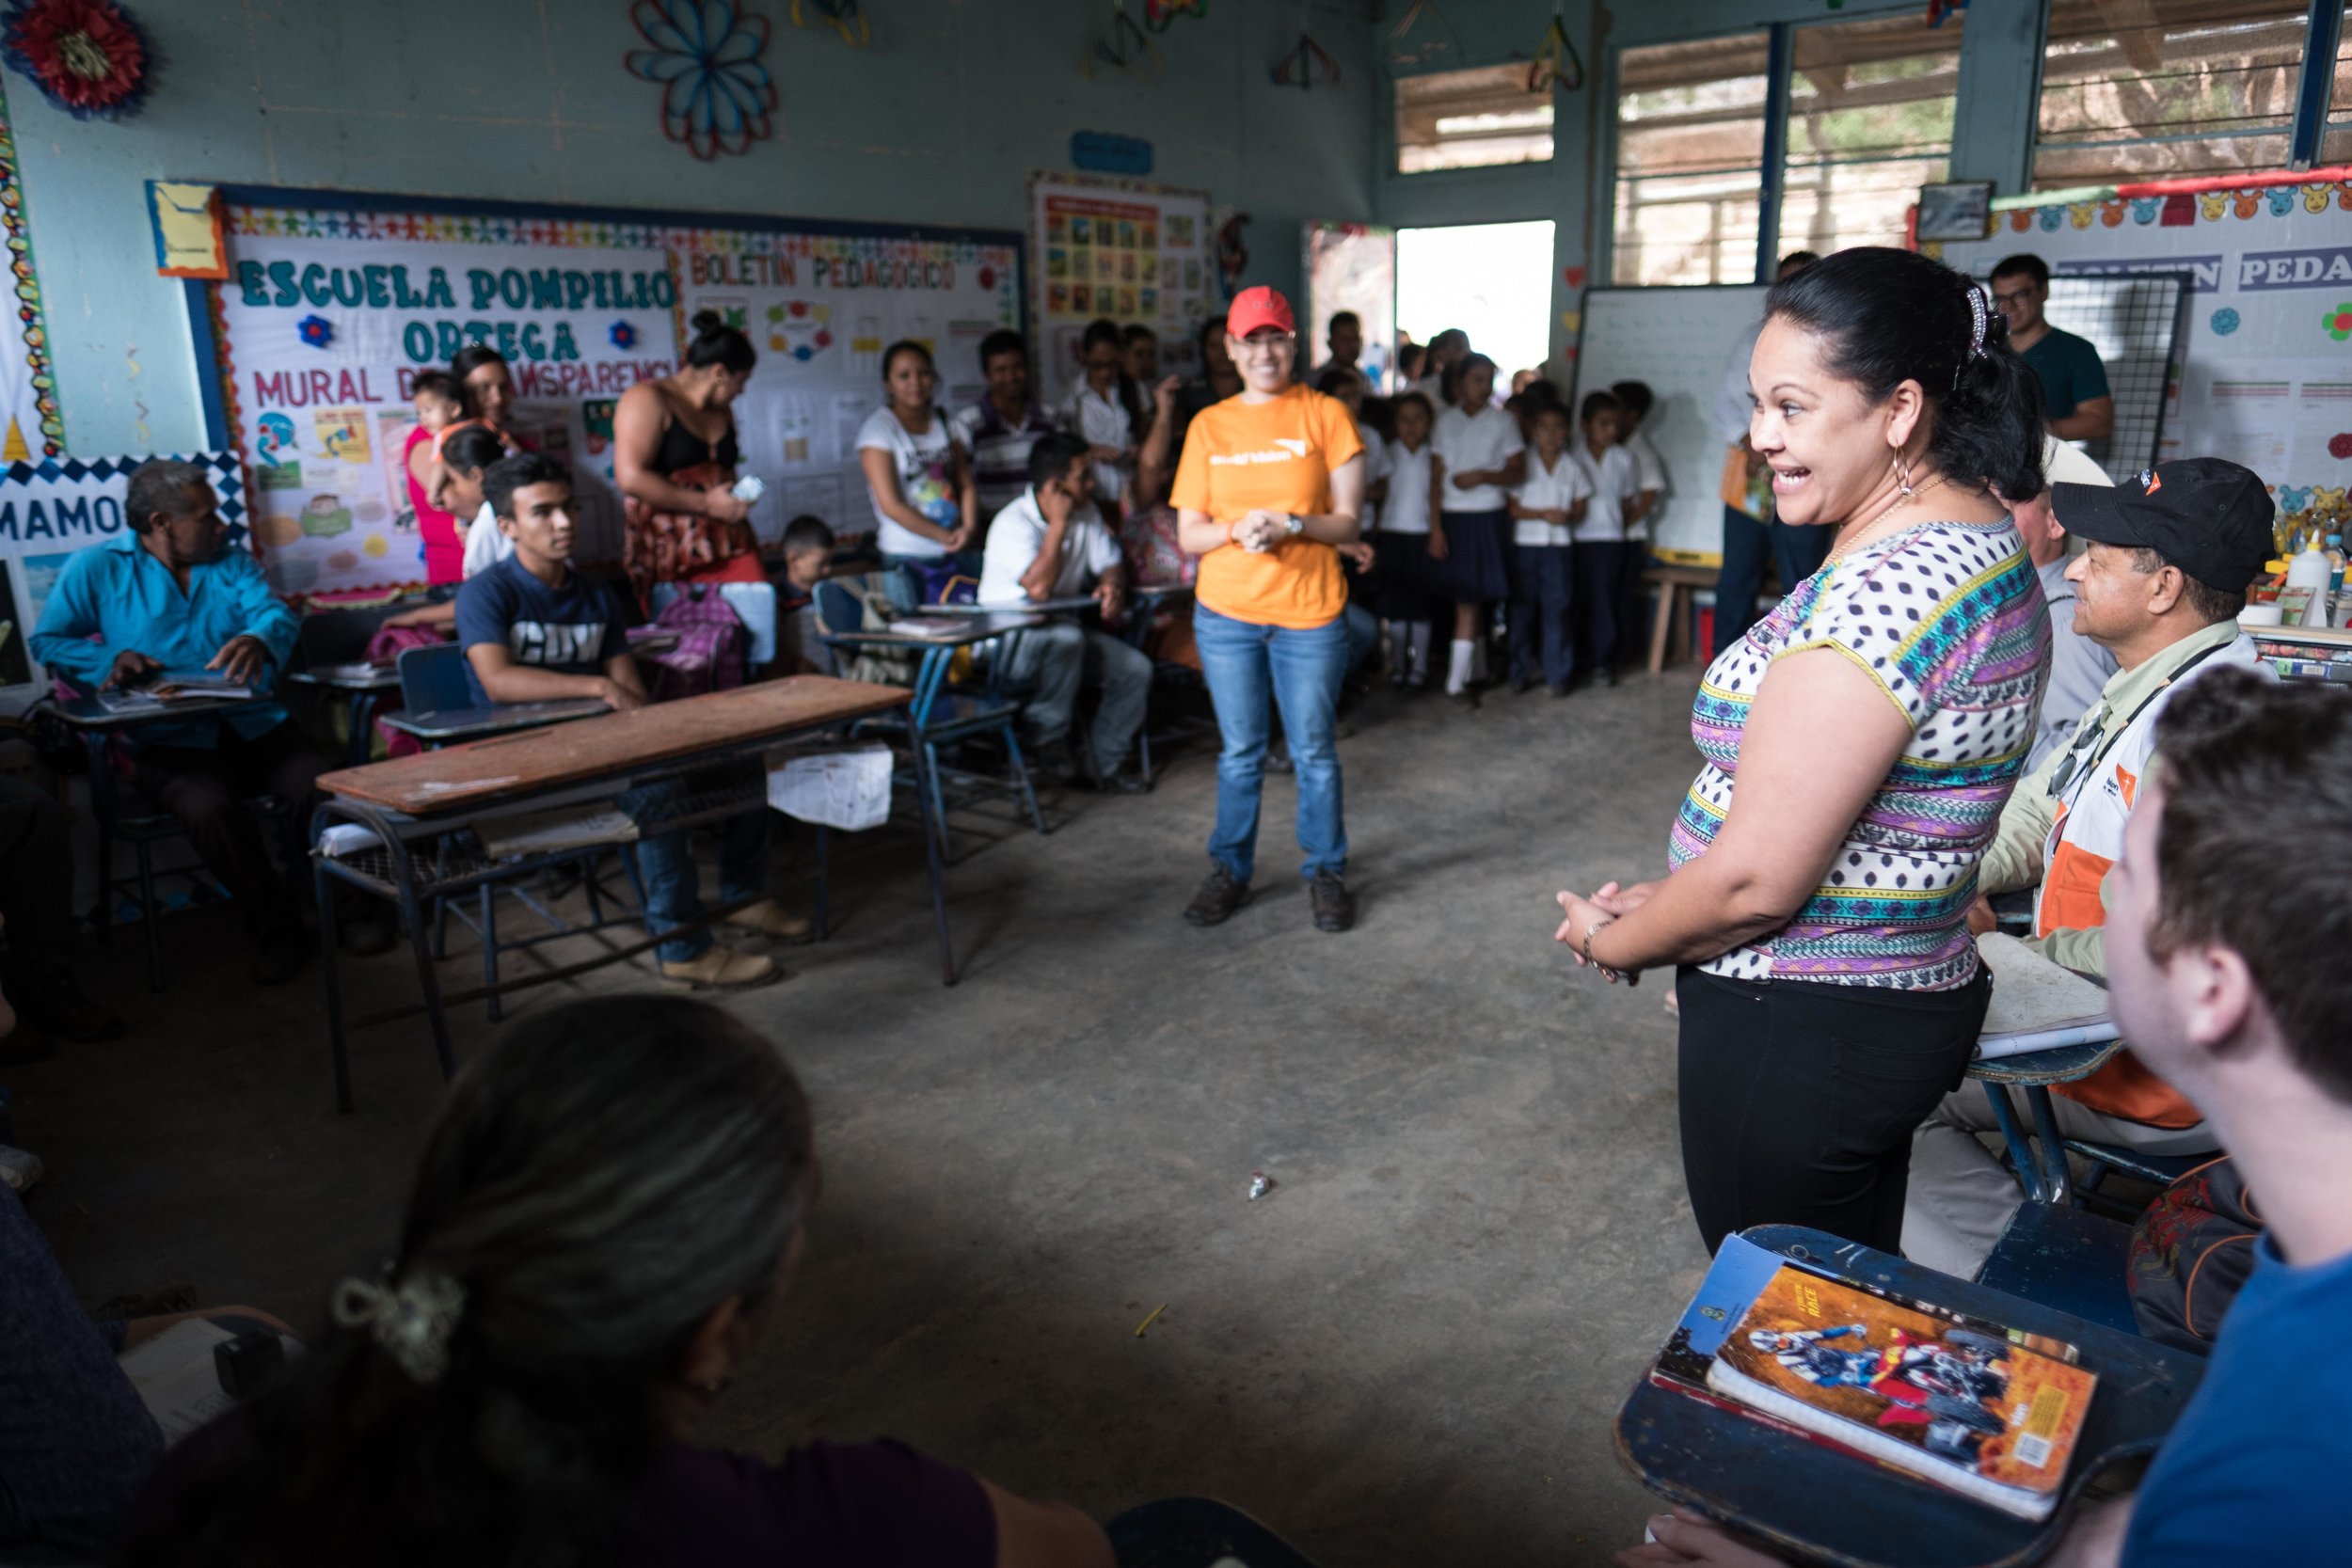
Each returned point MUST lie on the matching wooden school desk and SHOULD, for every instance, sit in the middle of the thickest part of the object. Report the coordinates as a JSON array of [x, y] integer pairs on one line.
[[1798, 1498], [418, 809]]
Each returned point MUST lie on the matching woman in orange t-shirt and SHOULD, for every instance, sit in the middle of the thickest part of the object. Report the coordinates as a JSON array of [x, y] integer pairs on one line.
[[1271, 483]]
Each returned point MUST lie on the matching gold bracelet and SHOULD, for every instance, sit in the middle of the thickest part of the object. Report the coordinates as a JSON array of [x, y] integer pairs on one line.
[[1591, 931]]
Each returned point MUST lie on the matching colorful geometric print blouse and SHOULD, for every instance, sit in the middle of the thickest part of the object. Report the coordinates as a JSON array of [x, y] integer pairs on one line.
[[1949, 620]]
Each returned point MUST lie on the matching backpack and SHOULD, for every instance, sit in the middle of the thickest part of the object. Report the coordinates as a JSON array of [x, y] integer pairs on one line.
[[2190, 1253], [711, 647]]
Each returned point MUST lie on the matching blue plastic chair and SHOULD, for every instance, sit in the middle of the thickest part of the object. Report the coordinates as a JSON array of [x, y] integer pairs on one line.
[[433, 679], [936, 717]]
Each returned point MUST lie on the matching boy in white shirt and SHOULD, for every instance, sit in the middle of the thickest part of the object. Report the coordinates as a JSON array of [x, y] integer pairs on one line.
[[1600, 545], [1545, 507], [1650, 481], [1053, 544]]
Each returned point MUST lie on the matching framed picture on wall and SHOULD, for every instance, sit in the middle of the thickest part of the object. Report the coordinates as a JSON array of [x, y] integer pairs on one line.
[[1961, 210]]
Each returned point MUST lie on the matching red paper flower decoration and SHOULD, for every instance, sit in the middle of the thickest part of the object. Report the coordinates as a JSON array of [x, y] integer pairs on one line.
[[2339, 445], [87, 57]]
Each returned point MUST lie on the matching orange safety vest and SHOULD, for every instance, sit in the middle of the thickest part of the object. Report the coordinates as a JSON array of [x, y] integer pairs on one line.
[[2085, 841]]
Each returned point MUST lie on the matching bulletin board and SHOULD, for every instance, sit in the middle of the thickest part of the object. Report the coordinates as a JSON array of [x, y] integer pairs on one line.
[[2263, 373], [335, 301], [1121, 249]]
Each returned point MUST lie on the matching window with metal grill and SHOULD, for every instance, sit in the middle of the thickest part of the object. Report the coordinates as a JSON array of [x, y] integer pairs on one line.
[[1870, 122], [1690, 152]]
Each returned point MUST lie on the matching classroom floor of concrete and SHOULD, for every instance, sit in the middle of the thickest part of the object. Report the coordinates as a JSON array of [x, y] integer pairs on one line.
[[1410, 1351]]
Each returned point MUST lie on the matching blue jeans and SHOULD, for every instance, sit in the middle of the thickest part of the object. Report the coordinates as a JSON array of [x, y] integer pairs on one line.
[[1246, 665], [1747, 544], [673, 886], [1542, 595]]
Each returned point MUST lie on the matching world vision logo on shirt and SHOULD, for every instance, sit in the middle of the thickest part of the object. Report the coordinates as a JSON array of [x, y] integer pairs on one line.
[[1294, 449], [542, 643]]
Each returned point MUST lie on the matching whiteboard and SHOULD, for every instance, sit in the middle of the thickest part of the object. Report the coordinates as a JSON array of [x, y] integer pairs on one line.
[[1679, 340]]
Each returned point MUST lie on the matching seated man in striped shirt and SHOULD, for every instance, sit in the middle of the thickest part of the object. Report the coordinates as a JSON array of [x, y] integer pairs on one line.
[[999, 430]]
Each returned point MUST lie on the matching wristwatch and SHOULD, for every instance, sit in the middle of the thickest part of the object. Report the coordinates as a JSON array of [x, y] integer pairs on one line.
[[1291, 521]]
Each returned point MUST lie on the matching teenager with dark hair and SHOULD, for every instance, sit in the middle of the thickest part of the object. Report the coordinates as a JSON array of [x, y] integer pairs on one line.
[[674, 455], [1142, 348], [1107, 409], [999, 430], [489, 385], [2233, 987], [1344, 336], [2075, 400], [611, 1203], [920, 477], [1858, 745], [171, 595], [535, 631]]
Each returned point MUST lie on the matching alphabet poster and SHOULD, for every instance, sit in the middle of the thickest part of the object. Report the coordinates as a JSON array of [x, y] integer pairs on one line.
[[1124, 250], [330, 311]]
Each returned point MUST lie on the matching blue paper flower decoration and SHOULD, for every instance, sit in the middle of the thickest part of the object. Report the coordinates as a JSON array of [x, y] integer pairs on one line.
[[716, 95], [2225, 321], [317, 331], [623, 335]]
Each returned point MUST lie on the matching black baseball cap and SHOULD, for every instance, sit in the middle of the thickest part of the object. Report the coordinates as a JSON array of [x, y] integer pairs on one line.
[[2207, 515]]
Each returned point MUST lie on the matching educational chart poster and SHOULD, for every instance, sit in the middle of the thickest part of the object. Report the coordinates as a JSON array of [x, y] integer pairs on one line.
[[1121, 249], [50, 508], [327, 317], [2265, 375], [821, 309]]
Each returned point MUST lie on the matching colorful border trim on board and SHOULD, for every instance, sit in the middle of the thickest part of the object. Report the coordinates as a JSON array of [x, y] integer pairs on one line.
[[28, 311]]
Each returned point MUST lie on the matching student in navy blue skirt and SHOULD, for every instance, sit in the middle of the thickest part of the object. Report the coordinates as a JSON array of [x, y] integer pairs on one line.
[[1408, 571], [1479, 456]]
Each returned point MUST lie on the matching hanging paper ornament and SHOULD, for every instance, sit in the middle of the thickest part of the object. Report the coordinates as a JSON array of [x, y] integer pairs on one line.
[[87, 57], [1556, 62], [716, 95], [1126, 47], [1158, 14], [317, 331], [846, 17], [1307, 62], [1421, 37], [623, 335]]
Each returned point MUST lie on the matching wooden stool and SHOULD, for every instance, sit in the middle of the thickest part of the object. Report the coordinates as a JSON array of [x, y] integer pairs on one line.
[[1671, 626]]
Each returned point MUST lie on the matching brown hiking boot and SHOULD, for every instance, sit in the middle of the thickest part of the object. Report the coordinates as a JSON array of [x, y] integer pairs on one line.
[[1218, 897]]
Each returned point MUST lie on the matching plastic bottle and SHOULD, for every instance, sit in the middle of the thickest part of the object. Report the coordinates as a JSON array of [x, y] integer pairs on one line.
[[2335, 563], [2311, 569]]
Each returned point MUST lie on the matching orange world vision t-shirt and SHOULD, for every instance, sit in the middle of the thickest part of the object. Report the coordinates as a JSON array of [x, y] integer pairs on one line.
[[1278, 454]]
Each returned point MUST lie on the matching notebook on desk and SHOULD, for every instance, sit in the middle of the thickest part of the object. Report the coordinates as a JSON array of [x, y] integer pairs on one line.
[[2037, 1005]]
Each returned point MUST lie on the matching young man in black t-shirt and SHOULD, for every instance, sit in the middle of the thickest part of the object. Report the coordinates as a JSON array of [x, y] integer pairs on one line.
[[535, 631]]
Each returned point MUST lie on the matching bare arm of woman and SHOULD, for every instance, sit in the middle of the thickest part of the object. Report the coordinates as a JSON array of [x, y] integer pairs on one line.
[[1796, 801], [967, 497], [636, 436], [1045, 1535], [1198, 533], [881, 475], [1437, 506], [442, 614], [422, 466], [1155, 464], [1264, 528]]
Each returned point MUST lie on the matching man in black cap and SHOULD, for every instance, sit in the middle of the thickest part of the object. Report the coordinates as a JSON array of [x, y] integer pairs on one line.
[[2159, 584]]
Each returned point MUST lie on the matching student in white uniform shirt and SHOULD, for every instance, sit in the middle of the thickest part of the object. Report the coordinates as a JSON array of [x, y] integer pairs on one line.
[[1545, 508], [1053, 544], [1635, 400], [1480, 455], [1407, 572], [1600, 537], [457, 490], [1100, 411]]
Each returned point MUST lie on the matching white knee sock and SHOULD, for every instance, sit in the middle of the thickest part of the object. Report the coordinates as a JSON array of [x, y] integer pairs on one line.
[[1459, 671]]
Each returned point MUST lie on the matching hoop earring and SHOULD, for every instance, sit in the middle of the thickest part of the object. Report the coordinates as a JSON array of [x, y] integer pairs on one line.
[[1902, 475]]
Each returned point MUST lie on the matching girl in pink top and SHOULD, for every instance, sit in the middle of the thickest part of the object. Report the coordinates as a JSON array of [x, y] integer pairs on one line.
[[440, 403]]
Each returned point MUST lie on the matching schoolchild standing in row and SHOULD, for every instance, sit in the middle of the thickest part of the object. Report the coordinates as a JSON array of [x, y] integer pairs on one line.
[[1480, 455], [1546, 507], [1616, 486], [1408, 568]]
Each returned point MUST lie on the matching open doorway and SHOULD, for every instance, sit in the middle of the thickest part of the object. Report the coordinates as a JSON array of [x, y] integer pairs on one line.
[[1493, 281]]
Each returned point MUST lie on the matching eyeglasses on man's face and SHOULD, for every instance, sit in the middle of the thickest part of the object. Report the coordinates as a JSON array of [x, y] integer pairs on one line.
[[1263, 345]]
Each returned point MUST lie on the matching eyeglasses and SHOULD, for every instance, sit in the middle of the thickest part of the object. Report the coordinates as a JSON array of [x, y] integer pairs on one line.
[[1272, 344], [2014, 295]]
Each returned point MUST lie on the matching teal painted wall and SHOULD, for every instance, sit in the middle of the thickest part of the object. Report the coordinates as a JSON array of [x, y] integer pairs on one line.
[[940, 120]]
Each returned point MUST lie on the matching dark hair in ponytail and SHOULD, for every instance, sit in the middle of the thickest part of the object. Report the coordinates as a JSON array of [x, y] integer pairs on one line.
[[1890, 316], [598, 1180], [717, 343]]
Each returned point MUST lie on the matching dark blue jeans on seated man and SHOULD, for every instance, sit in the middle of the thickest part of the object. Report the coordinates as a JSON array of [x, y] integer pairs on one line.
[[666, 861], [1747, 544], [1249, 667]]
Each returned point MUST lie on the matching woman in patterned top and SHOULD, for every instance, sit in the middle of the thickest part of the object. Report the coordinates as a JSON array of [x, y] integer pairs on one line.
[[1858, 745]]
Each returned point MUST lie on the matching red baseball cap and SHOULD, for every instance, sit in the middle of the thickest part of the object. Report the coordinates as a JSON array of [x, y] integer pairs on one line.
[[1254, 309]]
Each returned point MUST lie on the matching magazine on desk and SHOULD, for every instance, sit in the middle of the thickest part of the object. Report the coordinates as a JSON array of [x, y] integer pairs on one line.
[[2037, 1005], [1973, 1406], [171, 690]]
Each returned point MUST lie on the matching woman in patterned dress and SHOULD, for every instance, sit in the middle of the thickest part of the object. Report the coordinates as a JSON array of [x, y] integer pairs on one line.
[[1858, 744]]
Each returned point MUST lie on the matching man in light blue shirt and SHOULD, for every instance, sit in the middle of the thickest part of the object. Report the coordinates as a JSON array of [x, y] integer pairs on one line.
[[171, 597]]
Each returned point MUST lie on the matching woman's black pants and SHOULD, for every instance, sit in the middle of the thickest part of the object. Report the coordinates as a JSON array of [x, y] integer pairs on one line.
[[1798, 1097]]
